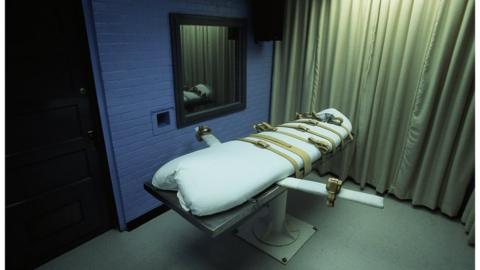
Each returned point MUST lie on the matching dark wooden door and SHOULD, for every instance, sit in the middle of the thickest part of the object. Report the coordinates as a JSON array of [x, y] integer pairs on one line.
[[58, 193]]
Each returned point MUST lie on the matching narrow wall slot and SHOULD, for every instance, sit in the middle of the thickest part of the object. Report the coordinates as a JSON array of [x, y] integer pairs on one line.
[[163, 119]]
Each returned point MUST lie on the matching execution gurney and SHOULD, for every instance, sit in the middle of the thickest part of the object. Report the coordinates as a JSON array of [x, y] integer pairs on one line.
[[273, 232]]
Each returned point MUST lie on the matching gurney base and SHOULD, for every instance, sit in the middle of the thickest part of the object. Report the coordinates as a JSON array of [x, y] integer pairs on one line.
[[281, 253], [274, 232]]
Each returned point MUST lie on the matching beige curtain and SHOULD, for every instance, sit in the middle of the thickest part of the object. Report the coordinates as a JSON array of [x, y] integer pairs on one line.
[[403, 72], [468, 218]]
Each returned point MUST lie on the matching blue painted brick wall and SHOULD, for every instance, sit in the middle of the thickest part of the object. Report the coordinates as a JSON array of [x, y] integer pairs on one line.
[[134, 58]]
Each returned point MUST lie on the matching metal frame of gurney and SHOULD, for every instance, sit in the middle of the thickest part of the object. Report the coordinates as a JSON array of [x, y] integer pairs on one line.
[[275, 233]]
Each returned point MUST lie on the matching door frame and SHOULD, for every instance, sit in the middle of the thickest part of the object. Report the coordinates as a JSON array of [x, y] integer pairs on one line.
[[102, 112]]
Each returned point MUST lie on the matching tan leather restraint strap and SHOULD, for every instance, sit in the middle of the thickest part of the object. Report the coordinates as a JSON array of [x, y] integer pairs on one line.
[[306, 129], [337, 120], [264, 145], [323, 146], [264, 126], [322, 125], [348, 132], [307, 162]]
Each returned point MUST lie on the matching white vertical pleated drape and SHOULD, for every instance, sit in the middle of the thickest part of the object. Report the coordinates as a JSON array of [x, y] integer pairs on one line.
[[403, 71]]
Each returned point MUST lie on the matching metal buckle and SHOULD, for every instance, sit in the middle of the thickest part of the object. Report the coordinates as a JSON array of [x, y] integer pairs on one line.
[[264, 127], [333, 187], [262, 144], [337, 121], [299, 116], [202, 130]]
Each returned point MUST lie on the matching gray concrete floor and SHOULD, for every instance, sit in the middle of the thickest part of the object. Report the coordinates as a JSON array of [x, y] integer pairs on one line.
[[350, 236]]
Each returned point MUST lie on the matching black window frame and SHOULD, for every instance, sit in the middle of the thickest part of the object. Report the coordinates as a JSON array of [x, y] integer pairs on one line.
[[176, 19]]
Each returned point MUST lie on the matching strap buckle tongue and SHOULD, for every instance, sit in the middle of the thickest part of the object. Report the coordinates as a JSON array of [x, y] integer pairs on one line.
[[262, 144], [264, 126]]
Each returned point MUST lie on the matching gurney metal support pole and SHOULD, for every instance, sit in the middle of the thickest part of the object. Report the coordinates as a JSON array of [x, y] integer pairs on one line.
[[273, 228], [275, 232]]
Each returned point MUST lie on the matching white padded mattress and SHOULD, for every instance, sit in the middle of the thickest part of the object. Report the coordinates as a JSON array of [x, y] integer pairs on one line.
[[225, 175]]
